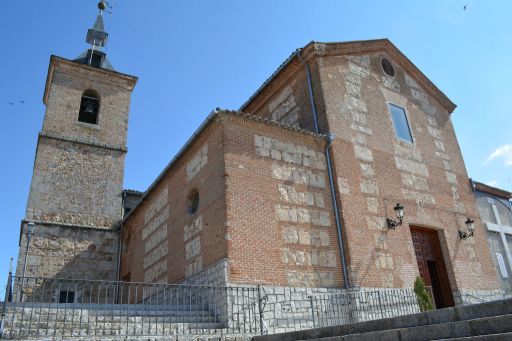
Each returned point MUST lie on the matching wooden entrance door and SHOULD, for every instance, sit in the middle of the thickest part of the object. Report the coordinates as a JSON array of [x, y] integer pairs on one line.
[[431, 265]]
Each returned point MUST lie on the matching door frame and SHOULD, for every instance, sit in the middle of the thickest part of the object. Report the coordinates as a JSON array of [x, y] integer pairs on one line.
[[441, 260]]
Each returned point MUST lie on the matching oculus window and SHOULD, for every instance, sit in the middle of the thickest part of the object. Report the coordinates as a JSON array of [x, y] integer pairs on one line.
[[400, 123], [387, 67]]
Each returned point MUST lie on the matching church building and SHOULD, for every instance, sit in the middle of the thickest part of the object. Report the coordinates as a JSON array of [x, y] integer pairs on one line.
[[495, 207], [342, 171]]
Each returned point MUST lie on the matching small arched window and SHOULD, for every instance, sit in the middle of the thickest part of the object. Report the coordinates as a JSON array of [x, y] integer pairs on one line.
[[193, 201], [89, 107]]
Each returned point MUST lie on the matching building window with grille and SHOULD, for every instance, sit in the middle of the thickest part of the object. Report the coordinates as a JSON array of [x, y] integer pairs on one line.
[[66, 296], [89, 107], [400, 123]]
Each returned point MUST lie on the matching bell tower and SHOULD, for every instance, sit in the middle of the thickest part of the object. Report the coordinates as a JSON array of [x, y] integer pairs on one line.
[[75, 199]]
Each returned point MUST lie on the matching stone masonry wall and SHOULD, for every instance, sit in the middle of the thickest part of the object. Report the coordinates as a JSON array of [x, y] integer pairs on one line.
[[76, 183], [162, 241], [70, 252], [79, 167]]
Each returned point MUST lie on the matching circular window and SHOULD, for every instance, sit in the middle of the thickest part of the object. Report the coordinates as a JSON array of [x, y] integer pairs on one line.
[[193, 201], [387, 67]]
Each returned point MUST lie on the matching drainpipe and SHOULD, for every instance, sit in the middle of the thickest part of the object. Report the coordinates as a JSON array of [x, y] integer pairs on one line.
[[119, 250], [330, 139], [310, 90], [119, 243]]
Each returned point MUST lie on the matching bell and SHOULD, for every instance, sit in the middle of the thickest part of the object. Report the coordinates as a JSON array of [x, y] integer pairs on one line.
[[89, 111], [90, 108]]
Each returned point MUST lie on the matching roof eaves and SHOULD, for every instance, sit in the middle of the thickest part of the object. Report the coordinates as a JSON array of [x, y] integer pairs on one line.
[[272, 123], [274, 74], [131, 80], [481, 187], [356, 47], [132, 191]]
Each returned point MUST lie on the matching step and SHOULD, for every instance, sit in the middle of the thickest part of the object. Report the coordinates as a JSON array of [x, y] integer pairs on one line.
[[440, 331], [74, 314], [116, 326], [202, 337], [454, 314], [109, 307], [491, 337], [112, 320], [107, 330], [194, 335]]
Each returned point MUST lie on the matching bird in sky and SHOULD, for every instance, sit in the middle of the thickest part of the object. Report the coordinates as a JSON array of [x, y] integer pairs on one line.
[[465, 7]]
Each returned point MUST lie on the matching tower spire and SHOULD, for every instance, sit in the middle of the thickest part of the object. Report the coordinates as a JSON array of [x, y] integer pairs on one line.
[[97, 38]]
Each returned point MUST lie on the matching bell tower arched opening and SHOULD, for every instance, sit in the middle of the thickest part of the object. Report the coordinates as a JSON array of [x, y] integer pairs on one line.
[[89, 107]]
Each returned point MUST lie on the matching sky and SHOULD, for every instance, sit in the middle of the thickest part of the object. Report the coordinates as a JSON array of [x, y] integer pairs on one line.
[[193, 56]]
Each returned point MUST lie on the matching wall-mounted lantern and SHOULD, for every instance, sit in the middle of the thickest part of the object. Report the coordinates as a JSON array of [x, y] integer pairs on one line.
[[399, 210], [470, 224]]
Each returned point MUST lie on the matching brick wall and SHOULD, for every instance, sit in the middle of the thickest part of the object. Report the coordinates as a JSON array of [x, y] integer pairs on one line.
[[162, 242], [67, 82], [280, 223], [286, 100], [278, 228], [427, 176], [374, 169]]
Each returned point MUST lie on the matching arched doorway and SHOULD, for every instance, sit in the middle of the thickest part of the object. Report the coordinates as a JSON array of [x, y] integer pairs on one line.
[[431, 265]]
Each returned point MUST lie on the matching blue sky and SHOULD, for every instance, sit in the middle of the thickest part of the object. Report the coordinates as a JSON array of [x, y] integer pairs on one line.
[[193, 56]]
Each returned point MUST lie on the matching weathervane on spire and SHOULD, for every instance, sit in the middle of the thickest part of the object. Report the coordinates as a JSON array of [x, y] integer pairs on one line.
[[102, 5]]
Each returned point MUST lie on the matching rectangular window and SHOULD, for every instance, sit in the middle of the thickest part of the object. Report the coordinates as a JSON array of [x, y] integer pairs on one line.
[[402, 129], [501, 264], [66, 296]]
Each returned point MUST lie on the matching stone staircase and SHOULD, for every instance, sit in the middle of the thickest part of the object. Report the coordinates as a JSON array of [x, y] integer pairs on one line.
[[75, 321], [484, 321]]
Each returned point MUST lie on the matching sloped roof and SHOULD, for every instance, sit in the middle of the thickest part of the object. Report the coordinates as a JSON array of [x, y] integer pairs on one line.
[[319, 49], [209, 119], [98, 23], [82, 59], [481, 187]]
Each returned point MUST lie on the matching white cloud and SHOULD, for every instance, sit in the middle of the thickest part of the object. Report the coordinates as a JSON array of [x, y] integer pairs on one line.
[[492, 183], [503, 152]]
